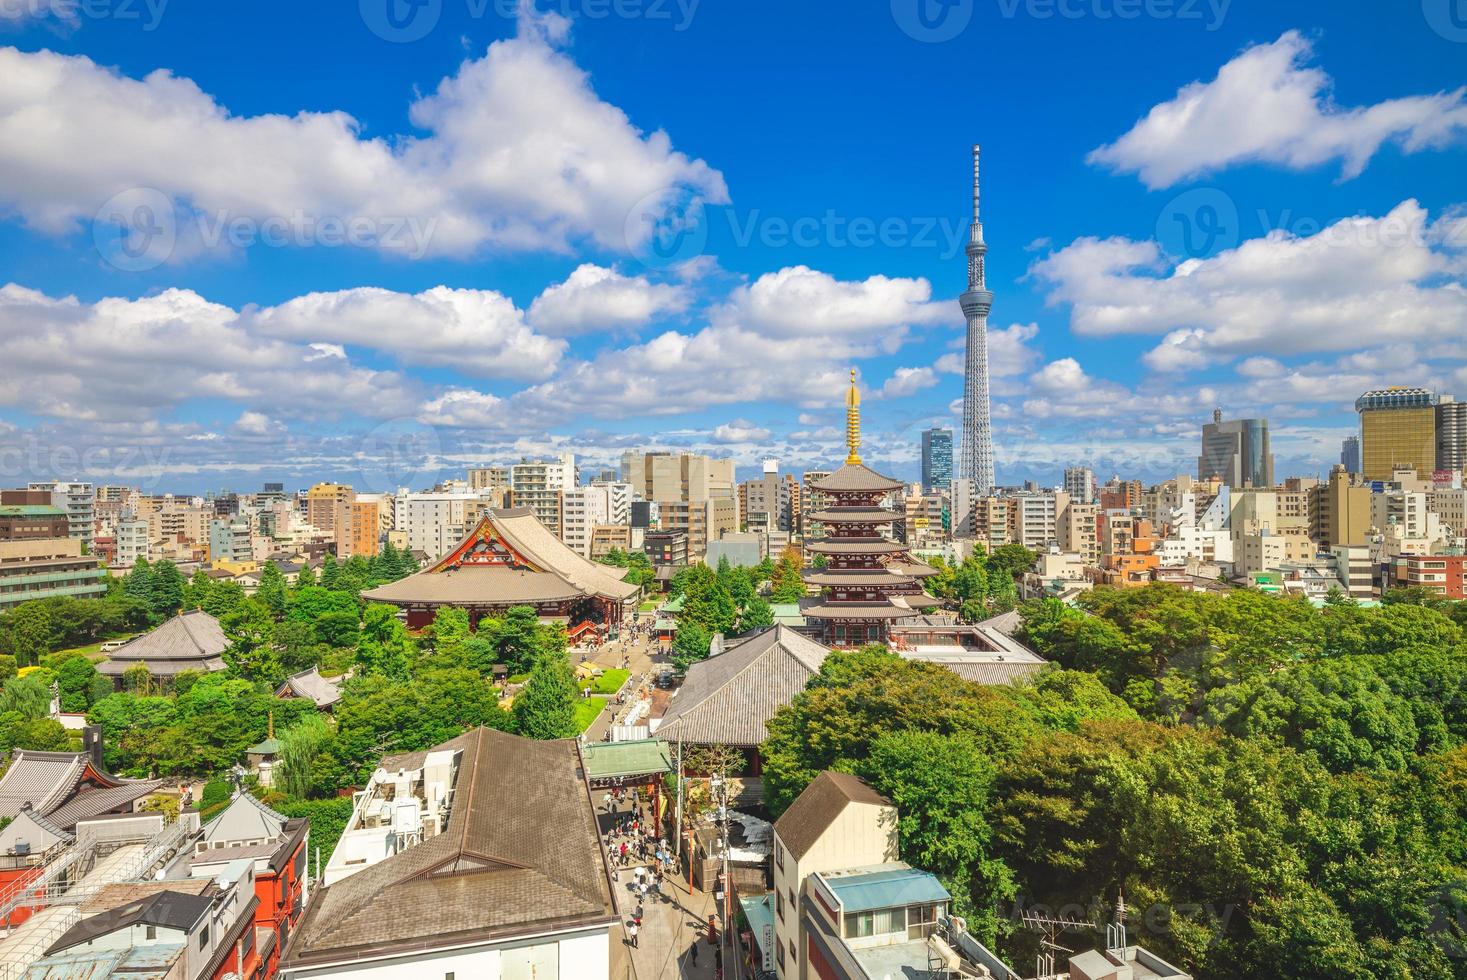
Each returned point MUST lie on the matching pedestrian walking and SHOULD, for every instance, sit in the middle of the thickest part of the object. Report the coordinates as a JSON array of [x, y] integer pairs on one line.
[[695, 951], [632, 934]]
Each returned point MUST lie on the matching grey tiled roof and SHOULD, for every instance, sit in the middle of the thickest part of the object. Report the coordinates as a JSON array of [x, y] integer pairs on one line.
[[727, 699], [856, 476], [310, 684], [42, 779], [190, 641], [520, 852], [93, 802], [991, 673]]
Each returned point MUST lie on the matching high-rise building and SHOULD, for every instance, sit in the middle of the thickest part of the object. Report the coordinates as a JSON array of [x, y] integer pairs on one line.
[[1236, 452], [937, 460], [694, 494], [1451, 435], [1350, 454], [539, 485], [1080, 483], [591, 507], [1397, 431], [766, 502], [325, 502], [1339, 513], [487, 477], [79, 500], [976, 460]]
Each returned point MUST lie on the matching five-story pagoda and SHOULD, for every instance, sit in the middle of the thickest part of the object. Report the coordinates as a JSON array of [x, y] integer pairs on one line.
[[869, 581]]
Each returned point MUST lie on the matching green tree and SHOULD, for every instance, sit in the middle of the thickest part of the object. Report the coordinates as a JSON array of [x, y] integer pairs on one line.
[[450, 631], [330, 572], [757, 614], [690, 644], [384, 645], [75, 678], [168, 589], [250, 629], [300, 745], [546, 708], [787, 583], [28, 696], [139, 583], [272, 591], [29, 632]]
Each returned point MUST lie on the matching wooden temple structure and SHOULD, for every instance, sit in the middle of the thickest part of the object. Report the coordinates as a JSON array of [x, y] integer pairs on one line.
[[511, 559], [870, 580]]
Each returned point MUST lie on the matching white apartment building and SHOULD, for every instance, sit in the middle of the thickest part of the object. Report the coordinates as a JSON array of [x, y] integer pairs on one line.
[[1035, 519], [597, 505], [79, 500], [540, 486], [132, 542], [434, 522]]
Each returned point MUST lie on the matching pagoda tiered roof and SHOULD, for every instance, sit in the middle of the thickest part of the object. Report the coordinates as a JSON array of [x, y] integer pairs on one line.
[[856, 478], [856, 546], [856, 515]]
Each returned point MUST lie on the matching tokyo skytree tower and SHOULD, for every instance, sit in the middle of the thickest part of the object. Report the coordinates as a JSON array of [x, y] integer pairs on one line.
[[976, 453]]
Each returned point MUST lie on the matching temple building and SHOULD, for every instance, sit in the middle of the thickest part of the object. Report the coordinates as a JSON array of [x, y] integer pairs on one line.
[[511, 559], [869, 581]]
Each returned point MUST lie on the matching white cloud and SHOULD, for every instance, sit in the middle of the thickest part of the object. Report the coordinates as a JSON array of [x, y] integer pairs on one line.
[[520, 153], [122, 359], [463, 407], [906, 381], [593, 298], [1360, 282], [256, 424], [1260, 367], [1008, 352], [1267, 105], [477, 331], [798, 300], [740, 430]]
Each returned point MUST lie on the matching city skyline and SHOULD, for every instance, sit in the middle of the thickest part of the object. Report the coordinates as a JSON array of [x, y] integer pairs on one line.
[[685, 295]]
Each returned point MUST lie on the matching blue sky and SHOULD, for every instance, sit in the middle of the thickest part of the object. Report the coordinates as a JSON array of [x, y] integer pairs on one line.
[[380, 240]]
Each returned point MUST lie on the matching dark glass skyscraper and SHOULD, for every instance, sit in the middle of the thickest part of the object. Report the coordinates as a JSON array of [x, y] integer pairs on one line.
[[1236, 452], [937, 460]]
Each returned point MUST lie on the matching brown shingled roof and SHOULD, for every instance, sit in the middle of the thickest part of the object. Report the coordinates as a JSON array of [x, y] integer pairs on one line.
[[520, 853], [817, 808]]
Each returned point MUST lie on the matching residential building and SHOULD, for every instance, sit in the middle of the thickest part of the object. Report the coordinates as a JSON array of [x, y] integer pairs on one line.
[[589, 507], [1397, 431], [991, 522], [767, 501], [1350, 454], [179, 521], [132, 542], [540, 486], [1236, 452], [694, 494], [1267, 550], [79, 501], [435, 875], [1079, 483], [434, 522], [22, 521], [1445, 575], [40, 568], [278, 847], [1120, 494], [362, 523], [666, 547], [1077, 530], [1356, 570], [229, 541], [488, 477], [1339, 513], [742, 549], [1034, 518], [811, 500], [606, 538], [937, 460], [1451, 435], [325, 503], [927, 517]]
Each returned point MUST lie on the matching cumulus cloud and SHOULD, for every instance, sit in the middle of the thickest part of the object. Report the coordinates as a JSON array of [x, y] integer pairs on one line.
[[519, 153], [740, 430], [1009, 353], [1268, 105], [256, 424], [1360, 282], [466, 408], [123, 359], [477, 331], [906, 381], [593, 298]]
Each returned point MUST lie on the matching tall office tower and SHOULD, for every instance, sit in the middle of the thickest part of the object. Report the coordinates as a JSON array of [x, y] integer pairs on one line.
[[1350, 454], [1236, 452], [1451, 434], [937, 460], [1397, 431], [976, 460], [1080, 483]]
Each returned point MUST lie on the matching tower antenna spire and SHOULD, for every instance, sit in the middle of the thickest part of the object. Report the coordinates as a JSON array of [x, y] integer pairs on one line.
[[853, 421], [975, 183], [976, 456]]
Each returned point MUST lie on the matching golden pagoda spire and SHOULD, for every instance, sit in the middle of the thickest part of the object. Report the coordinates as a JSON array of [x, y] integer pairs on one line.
[[853, 421]]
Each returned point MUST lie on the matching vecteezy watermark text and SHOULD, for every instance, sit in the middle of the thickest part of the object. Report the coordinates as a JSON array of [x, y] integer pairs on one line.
[[935, 21], [148, 13], [404, 21]]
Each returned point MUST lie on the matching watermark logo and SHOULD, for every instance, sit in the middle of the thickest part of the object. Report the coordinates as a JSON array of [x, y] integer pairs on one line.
[[1198, 223], [148, 13], [401, 21], [663, 234], [932, 21], [136, 230], [1447, 17], [401, 452]]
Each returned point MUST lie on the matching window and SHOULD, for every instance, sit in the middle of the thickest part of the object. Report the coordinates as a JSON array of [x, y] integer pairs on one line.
[[778, 854], [204, 938], [779, 905], [151, 932]]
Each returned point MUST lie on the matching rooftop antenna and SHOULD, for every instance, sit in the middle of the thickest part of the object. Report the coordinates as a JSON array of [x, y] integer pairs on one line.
[[1051, 927], [1115, 933]]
